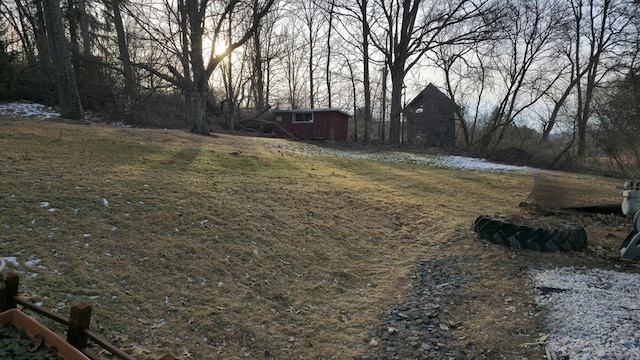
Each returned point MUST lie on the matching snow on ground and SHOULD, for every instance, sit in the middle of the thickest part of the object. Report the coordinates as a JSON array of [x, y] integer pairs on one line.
[[27, 109], [39, 111], [464, 162], [590, 314], [448, 161]]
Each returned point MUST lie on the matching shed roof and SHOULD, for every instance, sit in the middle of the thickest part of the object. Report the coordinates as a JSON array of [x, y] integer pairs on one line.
[[432, 91], [312, 111]]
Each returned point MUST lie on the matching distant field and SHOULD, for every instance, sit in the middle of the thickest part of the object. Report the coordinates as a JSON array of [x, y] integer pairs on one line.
[[230, 247]]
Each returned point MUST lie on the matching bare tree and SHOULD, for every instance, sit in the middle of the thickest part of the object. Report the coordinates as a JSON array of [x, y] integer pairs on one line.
[[263, 52], [523, 62], [236, 78], [20, 20], [78, 19], [309, 13], [617, 106], [291, 62], [466, 82], [27, 22], [187, 24], [70, 104], [358, 36], [601, 24], [414, 27], [258, 70], [129, 91], [330, 14]]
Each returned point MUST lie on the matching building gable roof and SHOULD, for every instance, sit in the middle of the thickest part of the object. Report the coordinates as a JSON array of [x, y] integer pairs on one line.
[[431, 91]]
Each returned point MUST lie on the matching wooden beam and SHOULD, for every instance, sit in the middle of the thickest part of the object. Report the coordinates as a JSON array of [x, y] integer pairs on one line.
[[79, 321], [10, 291]]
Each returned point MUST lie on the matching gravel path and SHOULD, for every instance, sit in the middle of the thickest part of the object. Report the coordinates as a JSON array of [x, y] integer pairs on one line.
[[419, 327], [588, 314]]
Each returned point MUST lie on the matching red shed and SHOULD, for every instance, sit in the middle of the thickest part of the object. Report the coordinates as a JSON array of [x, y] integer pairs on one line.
[[313, 124]]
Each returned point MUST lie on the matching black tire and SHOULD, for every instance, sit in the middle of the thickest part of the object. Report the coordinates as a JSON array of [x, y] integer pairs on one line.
[[563, 237]]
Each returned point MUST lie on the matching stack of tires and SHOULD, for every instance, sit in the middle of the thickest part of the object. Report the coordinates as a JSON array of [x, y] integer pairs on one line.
[[560, 237]]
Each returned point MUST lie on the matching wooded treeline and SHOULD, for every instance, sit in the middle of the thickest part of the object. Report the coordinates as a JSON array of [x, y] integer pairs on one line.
[[524, 73]]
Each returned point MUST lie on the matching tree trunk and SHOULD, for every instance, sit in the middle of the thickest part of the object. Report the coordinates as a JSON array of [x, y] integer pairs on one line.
[[42, 43], [310, 64], [258, 71], [332, 5], [197, 92], [67, 87], [129, 90], [366, 81], [583, 120], [354, 94], [196, 109], [231, 90], [24, 16], [84, 28], [546, 131], [385, 75], [397, 82], [458, 110]]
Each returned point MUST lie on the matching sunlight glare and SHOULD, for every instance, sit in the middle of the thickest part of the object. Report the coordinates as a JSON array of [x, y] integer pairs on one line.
[[219, 48]]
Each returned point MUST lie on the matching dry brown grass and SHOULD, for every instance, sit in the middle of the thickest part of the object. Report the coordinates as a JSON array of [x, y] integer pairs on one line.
[[222, 248]]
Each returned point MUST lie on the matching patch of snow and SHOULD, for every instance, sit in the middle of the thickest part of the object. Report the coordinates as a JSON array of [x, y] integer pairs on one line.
[[105, 202], [44, 204], [32, 262], [476, 164], [448, 161], [590, 314], [39, 111], [52, 210], [11, 259], [27, 109]]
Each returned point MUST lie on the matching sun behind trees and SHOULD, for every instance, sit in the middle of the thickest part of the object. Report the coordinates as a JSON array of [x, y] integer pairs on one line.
[[524, 74]]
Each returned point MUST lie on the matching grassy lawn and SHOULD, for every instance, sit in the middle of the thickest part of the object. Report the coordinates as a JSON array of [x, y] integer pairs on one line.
[[226, 247]]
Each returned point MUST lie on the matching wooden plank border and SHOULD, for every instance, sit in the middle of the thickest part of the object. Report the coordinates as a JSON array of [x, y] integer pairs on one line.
[[78, 332]]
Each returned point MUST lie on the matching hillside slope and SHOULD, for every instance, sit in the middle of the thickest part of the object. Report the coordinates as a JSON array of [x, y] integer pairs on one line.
[[236, 247]]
